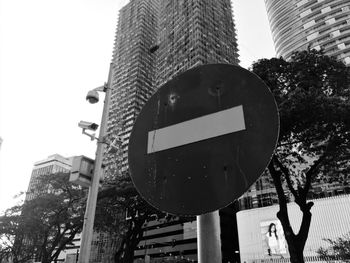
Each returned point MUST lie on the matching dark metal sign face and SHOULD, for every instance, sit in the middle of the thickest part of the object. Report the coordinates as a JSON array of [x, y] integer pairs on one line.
[[203, 139]]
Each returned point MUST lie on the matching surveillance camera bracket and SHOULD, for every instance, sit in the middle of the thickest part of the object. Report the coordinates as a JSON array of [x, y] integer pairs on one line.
[[115, 145], [92, 136], [102, 88]]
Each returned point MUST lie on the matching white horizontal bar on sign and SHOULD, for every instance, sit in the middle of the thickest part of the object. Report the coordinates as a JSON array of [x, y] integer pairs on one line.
[[198, 129]]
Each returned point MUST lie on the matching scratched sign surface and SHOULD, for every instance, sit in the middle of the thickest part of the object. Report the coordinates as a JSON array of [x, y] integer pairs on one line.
[[203, 139]]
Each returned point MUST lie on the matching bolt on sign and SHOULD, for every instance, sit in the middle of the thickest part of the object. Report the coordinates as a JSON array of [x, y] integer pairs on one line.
[[203, 139]]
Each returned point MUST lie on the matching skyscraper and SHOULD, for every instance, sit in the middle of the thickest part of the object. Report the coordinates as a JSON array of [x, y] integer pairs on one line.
[[297, 25], [193, 33], [155, 41], [319, 24], [133, 75]]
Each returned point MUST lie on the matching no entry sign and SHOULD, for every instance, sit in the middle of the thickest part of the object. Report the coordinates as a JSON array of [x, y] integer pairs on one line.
[[202, 139]]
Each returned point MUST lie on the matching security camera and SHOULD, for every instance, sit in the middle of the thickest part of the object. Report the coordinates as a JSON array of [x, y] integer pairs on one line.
[[88, 125], [92, 96]]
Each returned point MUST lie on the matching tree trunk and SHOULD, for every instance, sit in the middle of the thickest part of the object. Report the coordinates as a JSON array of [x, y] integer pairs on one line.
[[128, 255], [118, 254], [45, 258], [295, 242], [15, 259], [124, 256], [126, 252], [296, 255]]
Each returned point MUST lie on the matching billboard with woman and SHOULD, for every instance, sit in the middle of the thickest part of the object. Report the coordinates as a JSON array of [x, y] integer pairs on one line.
[[273, 236]]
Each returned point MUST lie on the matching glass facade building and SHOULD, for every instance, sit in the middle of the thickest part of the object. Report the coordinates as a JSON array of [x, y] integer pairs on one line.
[[302, 24], [298, 25]]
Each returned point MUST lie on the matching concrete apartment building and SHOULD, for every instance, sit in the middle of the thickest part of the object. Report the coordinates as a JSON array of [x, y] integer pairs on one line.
[[155, 41], [319, 24]]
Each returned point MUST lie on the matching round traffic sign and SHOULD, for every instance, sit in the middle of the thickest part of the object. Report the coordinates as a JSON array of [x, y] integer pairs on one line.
[[203, 139]]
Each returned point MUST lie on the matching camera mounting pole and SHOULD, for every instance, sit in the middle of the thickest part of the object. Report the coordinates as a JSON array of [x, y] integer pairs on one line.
[[89, 216]]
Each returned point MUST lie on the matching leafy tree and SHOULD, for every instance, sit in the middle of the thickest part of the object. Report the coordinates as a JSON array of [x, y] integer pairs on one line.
[[339, 249], [122, 212], [11, 246], [312, 94], [42, 227]]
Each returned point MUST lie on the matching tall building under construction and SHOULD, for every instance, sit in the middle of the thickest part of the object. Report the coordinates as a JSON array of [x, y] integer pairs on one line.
[[155, 41]]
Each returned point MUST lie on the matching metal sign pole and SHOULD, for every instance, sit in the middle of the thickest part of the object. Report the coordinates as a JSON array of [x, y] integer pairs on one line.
[[208, 238]]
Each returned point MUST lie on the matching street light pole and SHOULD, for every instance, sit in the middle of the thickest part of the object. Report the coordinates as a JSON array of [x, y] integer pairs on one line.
[[89, 216]]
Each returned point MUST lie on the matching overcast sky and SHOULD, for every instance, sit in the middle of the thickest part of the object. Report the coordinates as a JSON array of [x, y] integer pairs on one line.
[[51, 53]]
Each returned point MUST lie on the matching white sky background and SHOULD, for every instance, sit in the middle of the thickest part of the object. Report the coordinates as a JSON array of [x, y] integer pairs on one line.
[[51, 53]]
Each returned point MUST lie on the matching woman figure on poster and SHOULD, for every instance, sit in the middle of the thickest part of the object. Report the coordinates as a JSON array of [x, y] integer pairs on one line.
[[273, 241]]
